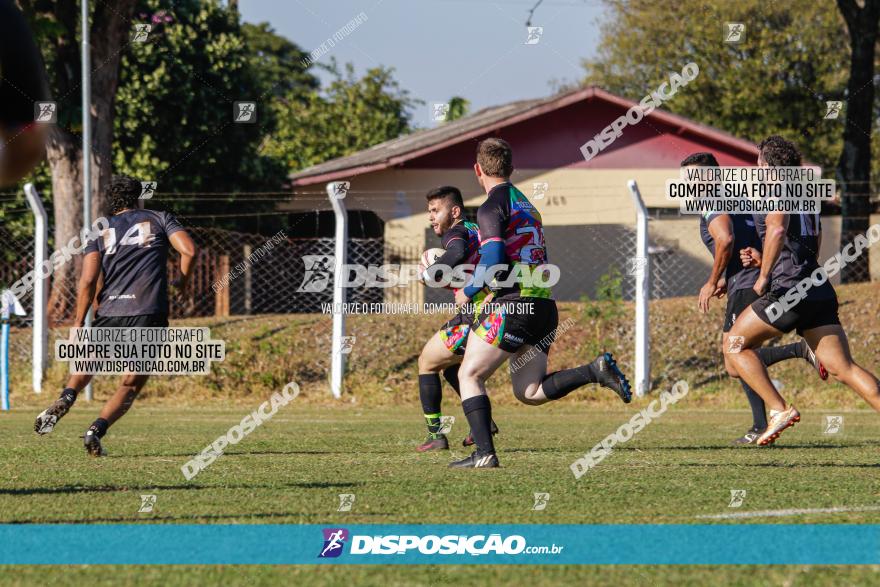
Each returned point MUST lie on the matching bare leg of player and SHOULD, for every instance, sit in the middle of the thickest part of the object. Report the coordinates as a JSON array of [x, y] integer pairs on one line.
[[123, 397], [832, 348], [527, 378], [435, 356], [748, 333], [115, 408], [481, 360]]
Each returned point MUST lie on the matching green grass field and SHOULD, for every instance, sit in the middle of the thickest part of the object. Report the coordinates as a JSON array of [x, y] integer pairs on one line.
[[292, 469]]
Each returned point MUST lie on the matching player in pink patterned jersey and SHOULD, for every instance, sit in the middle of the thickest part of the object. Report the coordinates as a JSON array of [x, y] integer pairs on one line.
[[520, 321], [443, 352]]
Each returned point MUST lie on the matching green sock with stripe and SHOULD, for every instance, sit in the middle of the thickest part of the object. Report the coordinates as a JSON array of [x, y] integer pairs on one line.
[[433, 421], [431, 396]]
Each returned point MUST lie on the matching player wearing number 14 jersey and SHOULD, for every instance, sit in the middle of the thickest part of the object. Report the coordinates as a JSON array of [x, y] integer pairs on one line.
[[132, 258], [520, 322]]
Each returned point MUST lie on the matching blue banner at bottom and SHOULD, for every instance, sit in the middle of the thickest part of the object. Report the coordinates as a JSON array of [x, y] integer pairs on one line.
[[276, 544]]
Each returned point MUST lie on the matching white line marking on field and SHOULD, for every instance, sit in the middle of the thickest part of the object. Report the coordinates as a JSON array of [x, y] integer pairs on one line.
[[794, 512]]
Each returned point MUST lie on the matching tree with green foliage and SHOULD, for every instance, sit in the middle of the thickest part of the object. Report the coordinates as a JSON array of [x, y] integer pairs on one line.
[[172, 102], [776, 81], [55, 24], [277, 62], [351, 114], [175, 121], [458, 108]]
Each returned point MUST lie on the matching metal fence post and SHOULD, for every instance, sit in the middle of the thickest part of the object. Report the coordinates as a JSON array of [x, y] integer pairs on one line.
[[247, 250], [641, 265], [41, 292], [336, 191]]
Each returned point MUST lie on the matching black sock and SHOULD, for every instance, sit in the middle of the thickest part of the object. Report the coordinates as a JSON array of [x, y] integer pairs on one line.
[[478, 411], [450, 374], [770, 355], [69, 394], [99, 427], [431, 396], [759, 414], [559, 384]]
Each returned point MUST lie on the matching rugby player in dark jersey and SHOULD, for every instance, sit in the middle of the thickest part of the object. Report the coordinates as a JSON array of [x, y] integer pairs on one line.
[[790, 254], [132, 259], [22, 85], [520, 322], [443, 352], [730, 238]]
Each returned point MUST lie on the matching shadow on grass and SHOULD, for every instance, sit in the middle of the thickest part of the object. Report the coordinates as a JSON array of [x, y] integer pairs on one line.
[[706, 447], [784, 465], [150, 519], [190, 455], [268, 333], [184, 486]]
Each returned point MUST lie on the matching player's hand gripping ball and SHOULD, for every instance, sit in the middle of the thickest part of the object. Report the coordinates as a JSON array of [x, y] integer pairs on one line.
[[427, 259]]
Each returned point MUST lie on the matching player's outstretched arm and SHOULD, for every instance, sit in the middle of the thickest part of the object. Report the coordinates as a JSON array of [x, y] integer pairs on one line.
[[88, 285], [774, 240], [183, 244], [721, 230]]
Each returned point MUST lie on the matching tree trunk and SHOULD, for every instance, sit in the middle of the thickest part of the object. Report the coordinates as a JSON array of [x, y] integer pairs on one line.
[[65, 158], [111, 33], [110, 30], [854, 166]]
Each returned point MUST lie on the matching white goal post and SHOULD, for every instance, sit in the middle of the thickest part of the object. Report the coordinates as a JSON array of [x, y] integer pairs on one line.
[[640, 266], [336, 192], [41, 291]]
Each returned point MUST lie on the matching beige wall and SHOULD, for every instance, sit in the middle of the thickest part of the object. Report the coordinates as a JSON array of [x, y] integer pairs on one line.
[[575, 196]]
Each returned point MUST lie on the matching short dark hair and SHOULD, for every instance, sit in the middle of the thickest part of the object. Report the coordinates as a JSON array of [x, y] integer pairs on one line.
[[779, 152], [702, 159], [447, 192], [495, 157], [122, 192]]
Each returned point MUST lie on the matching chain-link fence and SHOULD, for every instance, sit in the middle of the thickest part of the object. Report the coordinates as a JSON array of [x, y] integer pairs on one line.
[[17, 259], [238, 273], [242, 273]]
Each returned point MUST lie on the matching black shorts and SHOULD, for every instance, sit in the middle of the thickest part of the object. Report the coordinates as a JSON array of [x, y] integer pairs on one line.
[[455, 333], [806, 315], [511, 322], [143, 321], [737, 302]]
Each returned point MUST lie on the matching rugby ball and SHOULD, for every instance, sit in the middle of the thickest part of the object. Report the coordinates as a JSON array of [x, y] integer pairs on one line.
[[427, 259]]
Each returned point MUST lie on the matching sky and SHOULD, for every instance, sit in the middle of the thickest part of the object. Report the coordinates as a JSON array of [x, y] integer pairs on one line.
[[443, 48]]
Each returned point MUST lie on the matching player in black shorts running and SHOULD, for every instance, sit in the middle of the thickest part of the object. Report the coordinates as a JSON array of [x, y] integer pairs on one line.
[[520, 322], [22, 85], [730, 238], [790, 251], [443, 352], [132, 258]]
